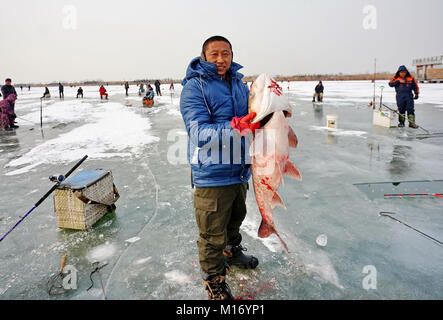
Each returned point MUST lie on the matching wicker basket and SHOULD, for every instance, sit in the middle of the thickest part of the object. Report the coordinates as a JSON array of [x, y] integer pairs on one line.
[[82, 200]]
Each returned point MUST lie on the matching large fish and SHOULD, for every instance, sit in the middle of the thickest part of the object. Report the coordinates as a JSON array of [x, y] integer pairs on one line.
[[270, 151], [266, 97]]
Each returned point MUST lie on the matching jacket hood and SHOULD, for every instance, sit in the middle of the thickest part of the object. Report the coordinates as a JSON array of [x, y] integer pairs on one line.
[[198, 67], [400, 69]]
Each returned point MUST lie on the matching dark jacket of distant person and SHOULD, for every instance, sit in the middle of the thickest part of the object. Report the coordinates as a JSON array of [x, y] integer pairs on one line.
[[319, 88], [8, 89], [404, 90]]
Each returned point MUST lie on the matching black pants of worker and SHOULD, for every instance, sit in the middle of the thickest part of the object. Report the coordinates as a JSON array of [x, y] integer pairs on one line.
[[12, 120], [79, 94], [62, 95], [13, 116], [157, 90], [126, 91], [219, 212], [406, 104]]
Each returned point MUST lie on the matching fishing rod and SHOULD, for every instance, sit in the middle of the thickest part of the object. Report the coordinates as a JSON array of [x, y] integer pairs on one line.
[[388, 214], [375, 75], [395, 111], [26, 120], [58, 180], [41, 112], [381, 97], [400, 195]]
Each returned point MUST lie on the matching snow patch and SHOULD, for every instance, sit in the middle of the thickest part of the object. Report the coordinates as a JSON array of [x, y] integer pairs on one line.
[[101, 252], [142, 261], [340, 132], [178, 277], [118, 132]]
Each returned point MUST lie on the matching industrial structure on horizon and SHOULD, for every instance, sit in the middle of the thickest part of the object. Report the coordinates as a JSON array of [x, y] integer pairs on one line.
[[426, 69]]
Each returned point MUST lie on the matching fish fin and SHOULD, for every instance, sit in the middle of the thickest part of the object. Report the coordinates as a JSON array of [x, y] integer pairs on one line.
[[266, 229], [276, 200], [291, 171], [293, 141]]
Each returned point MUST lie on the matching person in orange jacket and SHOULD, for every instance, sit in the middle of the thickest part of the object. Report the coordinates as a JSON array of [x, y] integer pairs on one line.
[[404, 85], [103, 92]]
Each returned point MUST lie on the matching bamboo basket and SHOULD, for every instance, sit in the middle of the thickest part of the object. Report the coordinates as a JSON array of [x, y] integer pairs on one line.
[[82, 200]]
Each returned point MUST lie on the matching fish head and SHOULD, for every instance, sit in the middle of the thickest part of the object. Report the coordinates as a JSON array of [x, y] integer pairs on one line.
[[266, 97]]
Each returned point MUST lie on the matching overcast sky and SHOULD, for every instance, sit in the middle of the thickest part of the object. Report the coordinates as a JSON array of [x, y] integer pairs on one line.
[[53, 40]]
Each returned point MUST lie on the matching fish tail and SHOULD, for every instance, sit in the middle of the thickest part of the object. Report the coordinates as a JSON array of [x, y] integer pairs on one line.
[[266, 229]]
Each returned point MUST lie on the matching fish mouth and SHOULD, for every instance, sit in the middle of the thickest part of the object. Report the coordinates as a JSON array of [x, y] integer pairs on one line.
[[265, 120], [268, 117]]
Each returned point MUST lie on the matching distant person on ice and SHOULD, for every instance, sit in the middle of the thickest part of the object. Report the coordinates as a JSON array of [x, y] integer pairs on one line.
[[171, 90], [60, 91], [7, 115], [318, 92], [46, 94], [141, 89], [7, 90], [103, 92], [214, 100], [126, 87], [148, 99], [404, 85], [157, 88], [80, 92]]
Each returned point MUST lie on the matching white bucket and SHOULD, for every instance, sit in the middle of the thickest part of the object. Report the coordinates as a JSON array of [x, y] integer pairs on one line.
[[331, 121]]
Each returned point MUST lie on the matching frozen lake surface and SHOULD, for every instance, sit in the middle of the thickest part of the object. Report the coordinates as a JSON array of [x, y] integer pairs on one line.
[[155, 211]]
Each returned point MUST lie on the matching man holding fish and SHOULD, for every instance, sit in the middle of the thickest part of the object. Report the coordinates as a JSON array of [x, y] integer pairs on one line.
[[214, 107]]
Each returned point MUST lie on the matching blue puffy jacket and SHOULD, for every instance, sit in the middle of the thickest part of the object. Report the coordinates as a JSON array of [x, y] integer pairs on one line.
[[150, 94], [207, 105]]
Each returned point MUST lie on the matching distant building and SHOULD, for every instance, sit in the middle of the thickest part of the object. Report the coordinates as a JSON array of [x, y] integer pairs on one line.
[[426, 70]]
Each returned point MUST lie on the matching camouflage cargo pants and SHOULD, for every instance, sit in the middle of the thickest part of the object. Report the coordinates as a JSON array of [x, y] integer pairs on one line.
[[219, 212], [319, 96]]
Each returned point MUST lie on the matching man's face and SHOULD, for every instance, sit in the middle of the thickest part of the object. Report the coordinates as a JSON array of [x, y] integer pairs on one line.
[[8, 83], [219, 52], [403, 74]]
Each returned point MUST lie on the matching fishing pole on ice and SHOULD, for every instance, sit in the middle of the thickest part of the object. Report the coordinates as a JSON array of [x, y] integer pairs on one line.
[[388, 214], [395, 111], [58, 180]]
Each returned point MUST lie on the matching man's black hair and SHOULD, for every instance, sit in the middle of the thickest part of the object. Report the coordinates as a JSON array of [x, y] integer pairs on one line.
[[213, 39]]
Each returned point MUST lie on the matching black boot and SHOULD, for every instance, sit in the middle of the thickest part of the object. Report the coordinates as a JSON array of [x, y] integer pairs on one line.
[[235, 257], [218, 289], [401, 120]]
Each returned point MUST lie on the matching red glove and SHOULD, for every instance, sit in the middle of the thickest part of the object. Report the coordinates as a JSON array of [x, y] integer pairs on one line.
[[243, 124]]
